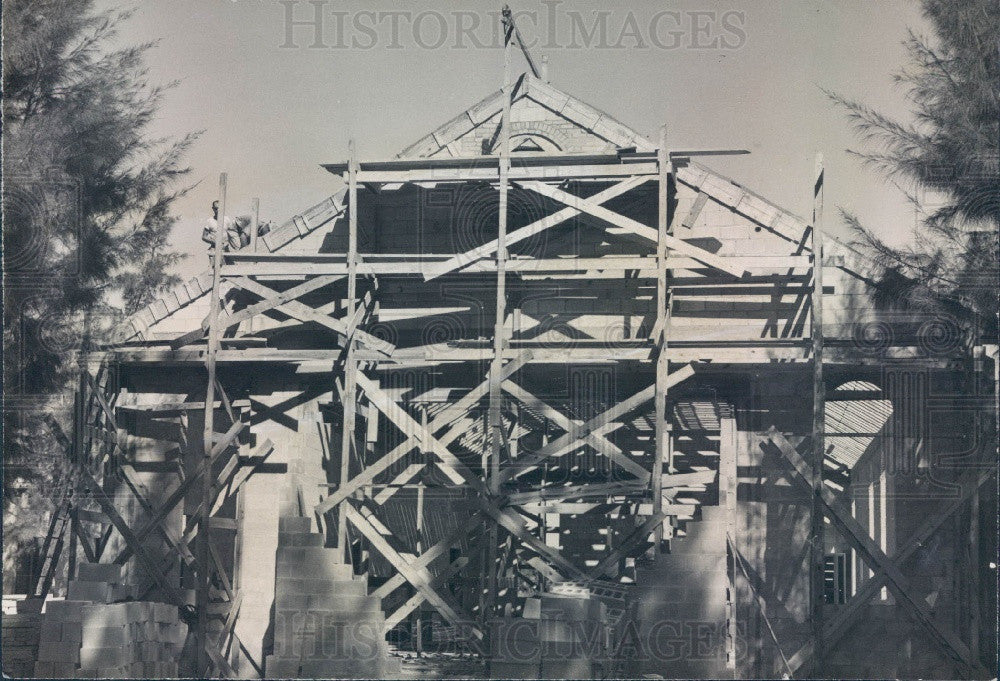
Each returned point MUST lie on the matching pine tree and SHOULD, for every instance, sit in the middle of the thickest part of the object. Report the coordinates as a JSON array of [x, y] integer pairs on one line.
[[88, 193], [951, 152]]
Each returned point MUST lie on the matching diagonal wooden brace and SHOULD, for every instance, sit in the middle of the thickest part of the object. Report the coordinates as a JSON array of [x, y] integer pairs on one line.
[[848, 614], [419, 578], [271, 300], [570, 440], [635, 227], [302, 312], [856, 535], [598, 442], [486, 250]]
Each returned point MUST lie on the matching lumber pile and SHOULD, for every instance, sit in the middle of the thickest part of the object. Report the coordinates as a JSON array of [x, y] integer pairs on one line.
[[558, 637], [137, 639], [325, 623]]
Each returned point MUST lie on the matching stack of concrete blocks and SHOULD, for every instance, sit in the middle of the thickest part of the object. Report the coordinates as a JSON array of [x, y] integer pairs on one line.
[[680, 606], [20, 643], [99, 583], [325, 623], [557, 637], [89, 636]]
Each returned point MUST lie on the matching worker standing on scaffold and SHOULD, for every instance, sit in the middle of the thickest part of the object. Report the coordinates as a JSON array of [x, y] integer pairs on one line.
[[237, 233]]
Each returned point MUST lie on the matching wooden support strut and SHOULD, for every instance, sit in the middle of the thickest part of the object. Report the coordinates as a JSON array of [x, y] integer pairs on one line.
[[448, 416], [302, 312], [661, 435], [570, 440], [495, 424], [847, 615], [459, 473], [860, 540], [634, 227], [817, 557], [560, 216], [594, 439], [204, 538], [349, 399], [419, 578]]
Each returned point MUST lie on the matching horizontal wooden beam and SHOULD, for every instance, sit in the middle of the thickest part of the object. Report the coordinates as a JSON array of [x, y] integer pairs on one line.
[[477, 262]]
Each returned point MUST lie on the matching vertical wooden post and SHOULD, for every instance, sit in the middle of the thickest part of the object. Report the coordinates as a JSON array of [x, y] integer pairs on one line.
[[727, 499], [254, 228], [208, 480], [974, 577], [78, 461], [499, 330], [254, 222], [818, 425], [420, 523], [350, 364], [662, 441]]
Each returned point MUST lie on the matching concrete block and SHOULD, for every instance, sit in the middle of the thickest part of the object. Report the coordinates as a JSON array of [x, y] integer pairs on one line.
[[72, 631], [532, 608], [58, 651], [165, 612], [295, 524], [104, 637], [281, 667], [347, 605], [300, 539], [104, 656], [290, 603], [320, 587], [63, 670], [43, 670], [99, 572], [50, 630], [95, 592], [579, 668], [148, 651], [20, 636], [144, 631], [26, 653], [568, 608]]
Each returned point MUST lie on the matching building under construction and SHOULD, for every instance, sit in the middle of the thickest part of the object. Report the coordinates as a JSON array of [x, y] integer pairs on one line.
[[539, 397]]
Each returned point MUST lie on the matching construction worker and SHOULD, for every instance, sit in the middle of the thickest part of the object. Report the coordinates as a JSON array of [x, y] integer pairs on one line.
[[237, 233]]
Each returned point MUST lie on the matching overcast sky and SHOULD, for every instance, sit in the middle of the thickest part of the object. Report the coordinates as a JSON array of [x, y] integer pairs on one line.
[[744, 74]]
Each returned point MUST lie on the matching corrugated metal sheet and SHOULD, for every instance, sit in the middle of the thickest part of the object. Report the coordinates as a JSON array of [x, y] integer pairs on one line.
[[851, 425]]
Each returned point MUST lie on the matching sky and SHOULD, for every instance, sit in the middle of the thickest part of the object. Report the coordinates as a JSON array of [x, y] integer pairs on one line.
[[722, 74]]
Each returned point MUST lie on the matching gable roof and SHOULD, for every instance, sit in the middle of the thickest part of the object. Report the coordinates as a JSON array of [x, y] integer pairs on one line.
[[527, 86], [442, 141]]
